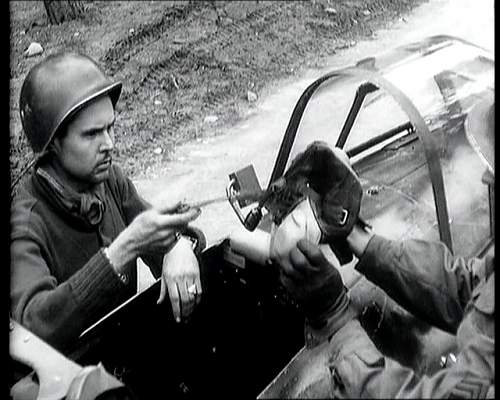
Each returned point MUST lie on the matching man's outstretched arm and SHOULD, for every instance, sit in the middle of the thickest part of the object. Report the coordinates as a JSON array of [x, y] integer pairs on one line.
[[422, 276]]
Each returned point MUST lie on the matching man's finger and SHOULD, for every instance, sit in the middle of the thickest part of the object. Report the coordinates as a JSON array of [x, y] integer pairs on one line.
[[199, 290], [169, 240], [289, 270], [300, 262], [163, 290], [186, 299], [287, 282], [168, 207], [173, 293], [179, 219], [312, 252]]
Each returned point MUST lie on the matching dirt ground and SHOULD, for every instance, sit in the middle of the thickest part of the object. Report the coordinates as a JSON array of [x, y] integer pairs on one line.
[[189, 68]]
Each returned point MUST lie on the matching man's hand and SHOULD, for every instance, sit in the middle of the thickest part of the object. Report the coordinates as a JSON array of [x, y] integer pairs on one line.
[[324, 175], [181, 277], [300, 223], [314, 283], [152, 231]]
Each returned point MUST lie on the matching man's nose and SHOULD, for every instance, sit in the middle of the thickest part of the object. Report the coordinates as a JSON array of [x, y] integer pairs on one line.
[[108, 141]]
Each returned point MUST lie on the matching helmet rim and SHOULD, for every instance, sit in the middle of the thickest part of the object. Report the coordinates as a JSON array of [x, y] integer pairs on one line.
[[112, 90], [57, 88]]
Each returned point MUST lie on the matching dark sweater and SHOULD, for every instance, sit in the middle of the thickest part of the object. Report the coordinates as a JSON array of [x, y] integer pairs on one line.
[[61, 281]]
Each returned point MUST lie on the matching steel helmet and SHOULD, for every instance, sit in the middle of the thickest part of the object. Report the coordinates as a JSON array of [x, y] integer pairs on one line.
[[55, 89], [480, 129]]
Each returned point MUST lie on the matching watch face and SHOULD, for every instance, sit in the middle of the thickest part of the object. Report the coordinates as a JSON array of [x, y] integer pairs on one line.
[[193, 240]]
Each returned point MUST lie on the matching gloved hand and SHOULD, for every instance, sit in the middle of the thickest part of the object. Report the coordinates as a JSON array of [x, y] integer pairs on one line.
[[314, 283], [300, 223], [326, 178]]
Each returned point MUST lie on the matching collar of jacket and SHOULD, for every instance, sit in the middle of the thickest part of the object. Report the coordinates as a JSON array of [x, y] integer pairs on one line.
[[87, 208]]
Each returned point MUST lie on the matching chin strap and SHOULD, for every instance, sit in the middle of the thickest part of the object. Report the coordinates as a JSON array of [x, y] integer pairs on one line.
[[22, 173]]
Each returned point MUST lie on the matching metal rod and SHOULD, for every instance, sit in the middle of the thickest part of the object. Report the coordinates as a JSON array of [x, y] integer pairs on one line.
[[380, 138], [248, 195]]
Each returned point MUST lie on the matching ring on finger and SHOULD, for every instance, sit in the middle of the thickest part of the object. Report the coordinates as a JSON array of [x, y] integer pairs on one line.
[[192, 289]]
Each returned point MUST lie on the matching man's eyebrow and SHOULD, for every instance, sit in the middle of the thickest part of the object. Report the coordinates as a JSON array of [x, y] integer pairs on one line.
[[99, 127]]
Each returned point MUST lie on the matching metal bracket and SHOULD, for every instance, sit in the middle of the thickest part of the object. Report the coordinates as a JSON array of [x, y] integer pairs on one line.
[[345, 214]]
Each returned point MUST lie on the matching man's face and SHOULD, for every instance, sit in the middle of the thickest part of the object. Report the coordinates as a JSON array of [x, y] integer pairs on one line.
[[84, 152]]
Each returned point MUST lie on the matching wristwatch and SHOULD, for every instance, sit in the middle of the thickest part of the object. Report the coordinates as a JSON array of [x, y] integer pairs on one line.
[[193, 240]]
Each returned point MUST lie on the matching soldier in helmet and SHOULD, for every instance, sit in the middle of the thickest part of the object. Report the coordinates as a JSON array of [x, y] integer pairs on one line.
[[449, 292], [78, 224]]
